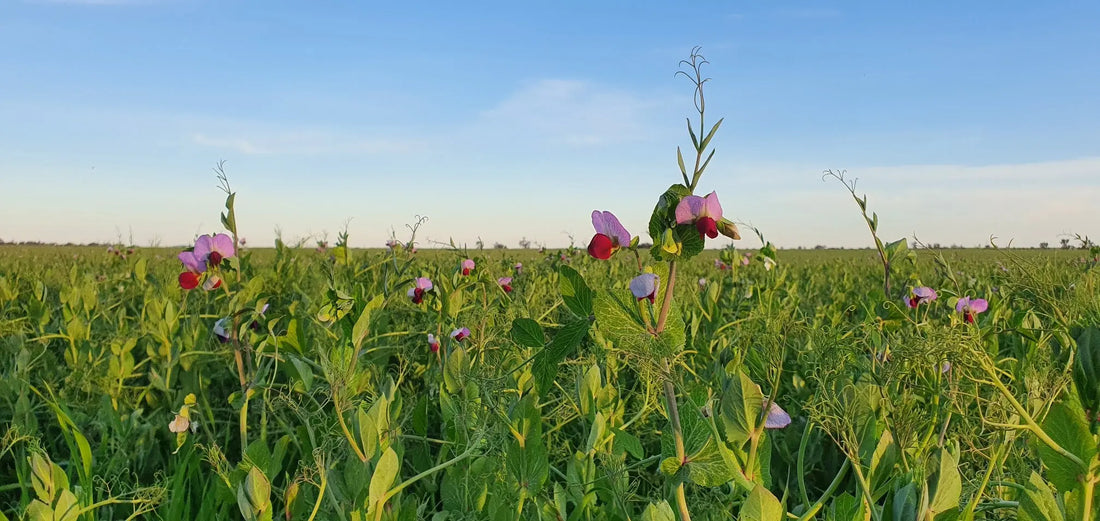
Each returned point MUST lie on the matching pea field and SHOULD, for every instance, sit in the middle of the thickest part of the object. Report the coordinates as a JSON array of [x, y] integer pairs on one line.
[[652, 376]]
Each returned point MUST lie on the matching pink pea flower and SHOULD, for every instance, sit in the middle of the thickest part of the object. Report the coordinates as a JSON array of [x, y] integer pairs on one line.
[[433, 343], [702, 283], [422, 286], [921, 295], [518, 267], [970, 307], [505, 284], [703, 212], [720, 265], [777, 418], [467, 266], [194, 267], [746, 259], [644, 286], [213, 249], [460, 334], [392, 244], [610, 235]]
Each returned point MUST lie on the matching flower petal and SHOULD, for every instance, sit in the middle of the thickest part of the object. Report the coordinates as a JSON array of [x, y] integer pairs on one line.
[[192, 262], [600, 247], [711, 207], [203, 246], [689, 208], [777, 417], [962, 304], [644, 286], [978, 305], [189, 280], [223, 244], [609, 225]]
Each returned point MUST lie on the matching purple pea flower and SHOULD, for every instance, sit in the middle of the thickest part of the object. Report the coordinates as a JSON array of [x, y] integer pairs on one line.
[[777, 418], [644, 286], [970, 307], [610, 235], [433, 343], [467, 266], [505, 284], [213, 249], [519, 268], [422, 286], [194, 267], [460, 334], [703, 212], [921, 295]]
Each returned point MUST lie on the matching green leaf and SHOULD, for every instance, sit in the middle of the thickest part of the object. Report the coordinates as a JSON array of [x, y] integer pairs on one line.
[[1037, 503], [454, 370], [624, 441], [565, 342], [1066, 425], [526, 332], [362, 325], [947, 487], [761, 506], [706, 140], [384, 475], [708, 461], [589, 385], [664, 212], [896, 249], [739, 408], [691, 131], [658, 512], [905, 502], [670, 465], [620, 321], [575, 292], [1087, 370], [254, 496]]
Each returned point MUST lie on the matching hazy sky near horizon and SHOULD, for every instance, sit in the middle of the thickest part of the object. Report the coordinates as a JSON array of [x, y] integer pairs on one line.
[[503, 120]]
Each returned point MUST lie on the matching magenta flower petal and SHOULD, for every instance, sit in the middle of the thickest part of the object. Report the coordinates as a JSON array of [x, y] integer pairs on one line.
[[192, 262], [609, 225], [223, 244], [460, 334], [978, 305], [689, 207], [203, 246], [962, 304], [924, 293], [777, 417], [711, 207], [504, 280], [467, 266], [423, 283]]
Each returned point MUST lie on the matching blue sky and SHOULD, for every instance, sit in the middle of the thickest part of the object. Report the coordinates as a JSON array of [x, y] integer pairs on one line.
[[962, 120]]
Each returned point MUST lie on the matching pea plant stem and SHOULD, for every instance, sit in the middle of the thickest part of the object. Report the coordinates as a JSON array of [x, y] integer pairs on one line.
[[670, 393]]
